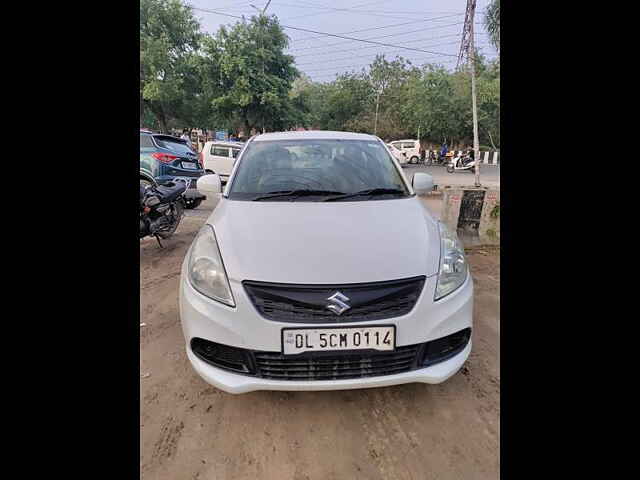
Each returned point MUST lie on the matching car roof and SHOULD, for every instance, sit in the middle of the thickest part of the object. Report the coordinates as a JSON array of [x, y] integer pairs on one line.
[[224, 143], [313, 135], [407, 140]]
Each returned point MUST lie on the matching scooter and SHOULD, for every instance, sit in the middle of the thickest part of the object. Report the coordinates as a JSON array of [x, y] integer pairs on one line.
[[461, 163]]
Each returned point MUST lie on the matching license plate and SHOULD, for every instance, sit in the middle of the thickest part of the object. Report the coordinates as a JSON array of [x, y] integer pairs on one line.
[[189, 166], [298, 340]]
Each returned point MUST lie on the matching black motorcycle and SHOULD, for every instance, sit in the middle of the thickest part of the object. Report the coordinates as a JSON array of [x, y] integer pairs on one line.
[[161, 209]]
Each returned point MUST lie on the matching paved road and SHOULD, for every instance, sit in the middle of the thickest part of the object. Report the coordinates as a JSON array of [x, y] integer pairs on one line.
[[489, 175]]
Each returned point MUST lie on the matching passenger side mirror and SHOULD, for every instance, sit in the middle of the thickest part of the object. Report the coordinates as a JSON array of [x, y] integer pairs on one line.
[[209, 184], [422, 183]]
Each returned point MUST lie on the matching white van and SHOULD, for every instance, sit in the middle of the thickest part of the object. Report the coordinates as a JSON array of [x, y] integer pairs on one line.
[[218, 157], [410, 147]]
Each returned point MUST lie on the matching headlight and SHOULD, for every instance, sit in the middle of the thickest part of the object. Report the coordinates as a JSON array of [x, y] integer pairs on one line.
[[206, 270], [453, 265]]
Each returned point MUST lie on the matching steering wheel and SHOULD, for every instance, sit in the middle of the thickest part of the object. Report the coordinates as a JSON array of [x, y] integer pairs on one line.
[[287, 180]]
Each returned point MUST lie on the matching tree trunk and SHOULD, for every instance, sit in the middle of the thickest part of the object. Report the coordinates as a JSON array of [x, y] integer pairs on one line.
[[142, 111], [491, 140], [158, 112]]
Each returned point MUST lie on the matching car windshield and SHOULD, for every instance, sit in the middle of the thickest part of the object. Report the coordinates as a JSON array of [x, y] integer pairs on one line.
[[173, 144], [315, 170]]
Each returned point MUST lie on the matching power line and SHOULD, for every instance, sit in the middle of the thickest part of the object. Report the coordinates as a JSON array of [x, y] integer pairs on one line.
[[308, 5], [335, 74], [293, 52], [329, 34], [386, 36], [317, 54], [369, 29], [352, 8], [360, 65], [372, 54]]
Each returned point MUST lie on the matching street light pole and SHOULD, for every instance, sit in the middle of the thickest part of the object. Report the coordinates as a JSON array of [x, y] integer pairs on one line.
[[476, 143], [467, 48]]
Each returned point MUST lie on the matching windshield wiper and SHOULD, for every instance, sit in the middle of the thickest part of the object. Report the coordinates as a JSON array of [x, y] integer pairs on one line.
[[371, 191], [295, 194]]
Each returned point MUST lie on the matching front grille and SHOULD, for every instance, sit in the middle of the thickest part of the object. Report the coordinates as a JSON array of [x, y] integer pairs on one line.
[[308, 303], [330, 365], [336, 366]]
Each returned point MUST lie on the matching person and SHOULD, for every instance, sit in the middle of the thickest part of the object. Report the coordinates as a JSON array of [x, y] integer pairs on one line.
[[469, 157], [185, 136], [443, 151]]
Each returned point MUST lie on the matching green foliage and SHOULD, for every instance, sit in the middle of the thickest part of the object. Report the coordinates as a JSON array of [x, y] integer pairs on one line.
[[254, 76], [169, 40], [430, 98], [241, 79], [492, 23], [495, 212]]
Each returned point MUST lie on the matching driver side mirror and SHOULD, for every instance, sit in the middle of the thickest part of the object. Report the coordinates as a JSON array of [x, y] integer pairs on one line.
[[209, 184], [422, 183]]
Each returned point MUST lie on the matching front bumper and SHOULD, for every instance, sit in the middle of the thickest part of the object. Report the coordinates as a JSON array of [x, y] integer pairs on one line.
[[243, 327], [236, 383]]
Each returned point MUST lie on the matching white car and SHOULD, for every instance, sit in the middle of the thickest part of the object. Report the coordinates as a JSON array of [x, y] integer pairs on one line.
[[398, 154], [218, 157], [411, 148], [320, 269]]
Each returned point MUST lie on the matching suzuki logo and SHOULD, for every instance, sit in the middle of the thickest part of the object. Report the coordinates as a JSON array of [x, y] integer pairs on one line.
[[337, 303]]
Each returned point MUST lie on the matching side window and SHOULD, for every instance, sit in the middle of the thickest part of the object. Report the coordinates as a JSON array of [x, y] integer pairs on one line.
[[235, 152], [219, 151], [145, 141]]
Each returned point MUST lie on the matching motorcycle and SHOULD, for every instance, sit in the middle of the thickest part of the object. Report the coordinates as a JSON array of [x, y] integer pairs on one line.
[[461, 163], [161, 208]]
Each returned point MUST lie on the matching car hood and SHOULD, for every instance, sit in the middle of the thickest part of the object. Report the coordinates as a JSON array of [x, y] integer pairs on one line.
[[326, 242]]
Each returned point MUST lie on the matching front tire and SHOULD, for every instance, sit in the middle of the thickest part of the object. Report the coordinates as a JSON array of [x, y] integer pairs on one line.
[[179, 211], [449, 169], [414, 159]]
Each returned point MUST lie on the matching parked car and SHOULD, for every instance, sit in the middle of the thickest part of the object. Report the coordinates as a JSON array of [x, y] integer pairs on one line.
[[164, 158], [409, 147], [398, 154], [219, 156], [320, 269]]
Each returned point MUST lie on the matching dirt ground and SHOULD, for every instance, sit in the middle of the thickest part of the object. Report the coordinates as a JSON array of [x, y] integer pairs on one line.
[[190, 430]]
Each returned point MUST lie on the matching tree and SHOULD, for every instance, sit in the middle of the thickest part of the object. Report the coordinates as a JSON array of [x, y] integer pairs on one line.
[[492, 23], [254, 75], [169, 41]]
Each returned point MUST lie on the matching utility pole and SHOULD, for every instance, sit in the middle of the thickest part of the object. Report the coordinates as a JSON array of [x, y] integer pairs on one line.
[[375, 124], [262, 46], [467, 49]]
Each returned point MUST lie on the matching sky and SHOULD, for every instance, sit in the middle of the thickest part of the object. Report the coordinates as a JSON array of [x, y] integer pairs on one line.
[[434, 26]]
